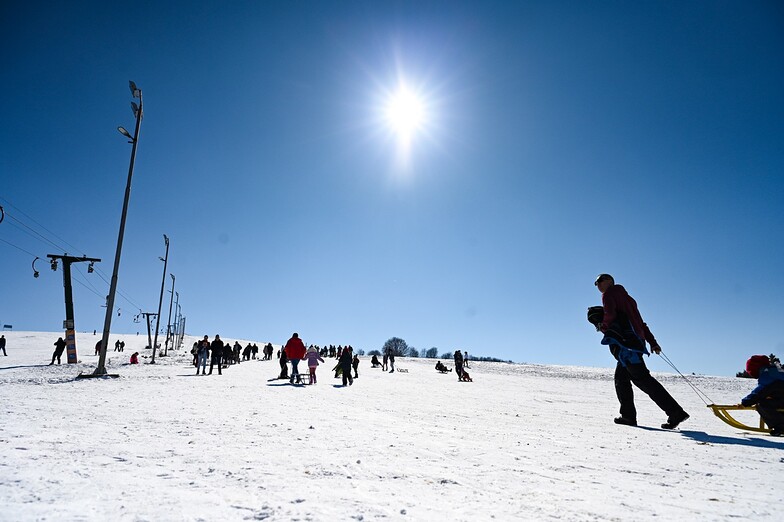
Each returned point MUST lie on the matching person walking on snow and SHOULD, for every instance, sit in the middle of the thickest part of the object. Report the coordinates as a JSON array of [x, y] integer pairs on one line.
[[202, 351], [625, 333], [345, 366], [216, 350], [295, 351], [355, 365], [313, 358], [59, 347], [2, 345], [459, 365]]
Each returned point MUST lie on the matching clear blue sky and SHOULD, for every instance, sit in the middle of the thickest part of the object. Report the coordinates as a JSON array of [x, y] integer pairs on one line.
[[561, 140]]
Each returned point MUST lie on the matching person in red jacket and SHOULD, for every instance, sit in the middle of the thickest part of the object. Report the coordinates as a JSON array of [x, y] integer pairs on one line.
[[295, 350], [626, 333]]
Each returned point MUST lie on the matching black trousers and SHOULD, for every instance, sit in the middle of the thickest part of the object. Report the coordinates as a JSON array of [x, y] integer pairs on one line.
[[767, 409], [347, 375], [213, 361], [639, 375]]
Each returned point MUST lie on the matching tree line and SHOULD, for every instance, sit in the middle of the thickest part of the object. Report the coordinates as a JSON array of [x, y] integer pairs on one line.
[[400, 348]]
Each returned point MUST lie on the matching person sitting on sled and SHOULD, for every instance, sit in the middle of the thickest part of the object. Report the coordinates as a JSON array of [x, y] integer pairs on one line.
[[441, 367], [374, 362], [768, 396]]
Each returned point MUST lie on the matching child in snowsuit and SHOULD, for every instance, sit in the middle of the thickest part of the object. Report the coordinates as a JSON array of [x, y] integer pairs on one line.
[[355, 365], [313, 358], [135, 358], [284, 369], [374, 363], [768, 396]]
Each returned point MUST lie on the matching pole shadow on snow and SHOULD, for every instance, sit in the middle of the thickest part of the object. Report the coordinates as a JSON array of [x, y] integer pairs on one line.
[[27, 366], [701, 436]]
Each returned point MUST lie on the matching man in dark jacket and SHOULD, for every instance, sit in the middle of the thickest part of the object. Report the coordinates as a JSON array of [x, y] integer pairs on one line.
[[59, 348], [626, 334], [345, 366], [2, 344], [459, 364], [216, 349], [768, 396]]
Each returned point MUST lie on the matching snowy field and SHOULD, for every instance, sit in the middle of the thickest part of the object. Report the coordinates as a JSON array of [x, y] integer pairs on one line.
[[522, 442]]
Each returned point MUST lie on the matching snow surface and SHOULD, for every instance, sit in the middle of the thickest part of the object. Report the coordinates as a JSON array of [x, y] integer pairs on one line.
[[522, 442]]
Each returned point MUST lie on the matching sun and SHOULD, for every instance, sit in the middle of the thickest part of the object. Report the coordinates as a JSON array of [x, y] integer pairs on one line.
[[405, 112]]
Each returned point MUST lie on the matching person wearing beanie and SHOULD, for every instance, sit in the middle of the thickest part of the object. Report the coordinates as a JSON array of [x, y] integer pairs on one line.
[[313, 358], [626, 334], [768, 396]]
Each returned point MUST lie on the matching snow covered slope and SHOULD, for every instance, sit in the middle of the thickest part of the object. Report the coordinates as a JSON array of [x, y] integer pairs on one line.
[[522, 442]]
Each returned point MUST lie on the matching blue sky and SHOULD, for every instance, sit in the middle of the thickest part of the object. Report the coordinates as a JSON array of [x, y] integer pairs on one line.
[[562, 139]]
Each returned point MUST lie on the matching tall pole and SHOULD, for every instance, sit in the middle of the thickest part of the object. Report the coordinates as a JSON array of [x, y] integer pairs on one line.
[[182, 334], [179, 327], [174, 333], [107, 323], [160, 299], [168, 322], [149, 335], [68, 324]]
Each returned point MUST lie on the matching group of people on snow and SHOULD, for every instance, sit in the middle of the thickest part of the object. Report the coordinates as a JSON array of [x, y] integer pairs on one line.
[[618, 319]]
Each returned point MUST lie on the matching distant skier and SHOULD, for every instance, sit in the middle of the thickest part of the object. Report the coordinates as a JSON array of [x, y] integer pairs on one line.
[[295, 351], [625, 333], [768, 396], [59, 348]]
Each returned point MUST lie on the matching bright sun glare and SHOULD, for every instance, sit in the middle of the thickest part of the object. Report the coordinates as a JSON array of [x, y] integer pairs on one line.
[[405, 112]]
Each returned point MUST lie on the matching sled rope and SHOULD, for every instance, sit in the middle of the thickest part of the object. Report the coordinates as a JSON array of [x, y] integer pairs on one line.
[[699, 392]]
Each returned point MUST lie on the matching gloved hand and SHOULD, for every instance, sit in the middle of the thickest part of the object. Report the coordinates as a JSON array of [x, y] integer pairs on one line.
[[656, 349]]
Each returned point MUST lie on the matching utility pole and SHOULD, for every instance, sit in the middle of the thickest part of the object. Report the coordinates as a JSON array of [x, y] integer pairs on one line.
[[168, 322], [182, 331], [160, 298], [138, 111], [147, 316], [68, 324], [174, 333]]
